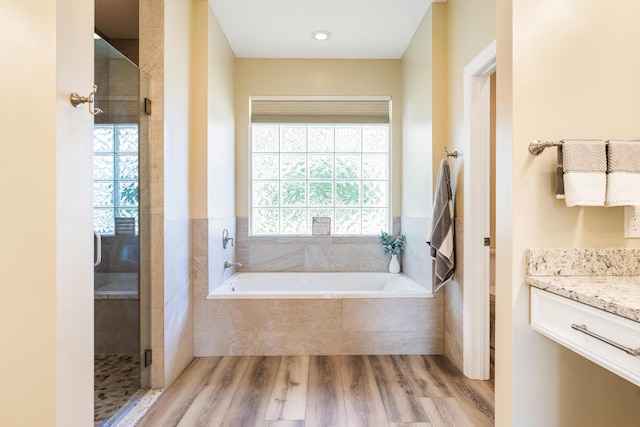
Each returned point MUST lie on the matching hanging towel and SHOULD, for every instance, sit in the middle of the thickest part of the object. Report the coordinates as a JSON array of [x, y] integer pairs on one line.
[[623, 178], [585, 165], [441, 233], [559, 175]]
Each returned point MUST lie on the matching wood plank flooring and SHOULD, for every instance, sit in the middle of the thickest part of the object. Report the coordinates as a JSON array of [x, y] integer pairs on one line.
[[323, 391]]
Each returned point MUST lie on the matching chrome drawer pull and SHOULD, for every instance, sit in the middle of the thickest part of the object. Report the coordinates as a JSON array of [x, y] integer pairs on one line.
[[583, 329]]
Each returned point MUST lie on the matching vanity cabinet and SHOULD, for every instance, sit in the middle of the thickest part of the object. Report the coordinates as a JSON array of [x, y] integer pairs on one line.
[[602, 337]]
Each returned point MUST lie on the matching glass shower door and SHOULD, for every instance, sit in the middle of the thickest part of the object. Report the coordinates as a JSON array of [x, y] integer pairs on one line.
[[119, 137]]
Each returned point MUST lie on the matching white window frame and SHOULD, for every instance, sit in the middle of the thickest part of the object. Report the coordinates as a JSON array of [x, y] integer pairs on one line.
[[389, 153]]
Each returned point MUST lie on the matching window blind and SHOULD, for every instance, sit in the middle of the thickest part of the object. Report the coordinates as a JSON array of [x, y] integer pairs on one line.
[[319, 111]]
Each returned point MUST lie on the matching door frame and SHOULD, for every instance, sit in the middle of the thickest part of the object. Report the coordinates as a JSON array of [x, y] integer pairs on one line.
[[477, 116]]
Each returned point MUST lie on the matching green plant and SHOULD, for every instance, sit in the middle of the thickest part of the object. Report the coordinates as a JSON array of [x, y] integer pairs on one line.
[[391, 245]]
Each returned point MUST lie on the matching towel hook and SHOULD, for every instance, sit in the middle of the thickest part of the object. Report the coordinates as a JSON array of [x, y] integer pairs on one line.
[[454, 154], [76, 100]]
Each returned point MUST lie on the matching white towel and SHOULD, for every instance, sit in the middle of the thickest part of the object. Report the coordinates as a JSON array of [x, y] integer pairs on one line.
[[441, 234], [623, 178], [585, 165]]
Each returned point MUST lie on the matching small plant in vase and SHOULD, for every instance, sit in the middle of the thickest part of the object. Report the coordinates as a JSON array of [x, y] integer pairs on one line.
[[393, 246]]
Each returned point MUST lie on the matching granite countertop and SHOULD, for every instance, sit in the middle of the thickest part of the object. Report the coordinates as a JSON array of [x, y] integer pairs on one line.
[[608, 279]]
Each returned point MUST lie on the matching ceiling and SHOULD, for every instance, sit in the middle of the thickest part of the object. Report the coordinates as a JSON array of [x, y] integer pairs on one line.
[[361, 29], [371, 29]]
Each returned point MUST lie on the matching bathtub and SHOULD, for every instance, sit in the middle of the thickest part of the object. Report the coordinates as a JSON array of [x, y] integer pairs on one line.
[[318, 285], [318, 313]]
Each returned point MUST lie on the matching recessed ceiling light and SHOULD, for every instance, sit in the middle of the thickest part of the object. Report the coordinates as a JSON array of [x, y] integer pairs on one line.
[[321, 35]]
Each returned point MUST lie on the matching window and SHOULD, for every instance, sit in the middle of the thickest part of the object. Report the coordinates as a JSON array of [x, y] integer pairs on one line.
[[115, 175], [305, 170]]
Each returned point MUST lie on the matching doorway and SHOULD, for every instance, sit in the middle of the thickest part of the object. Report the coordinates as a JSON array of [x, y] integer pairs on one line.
[[477, 241], [121, 373], [492, 226]]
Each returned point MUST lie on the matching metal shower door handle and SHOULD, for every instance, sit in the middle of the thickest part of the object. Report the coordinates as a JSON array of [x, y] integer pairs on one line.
[[98, 243]]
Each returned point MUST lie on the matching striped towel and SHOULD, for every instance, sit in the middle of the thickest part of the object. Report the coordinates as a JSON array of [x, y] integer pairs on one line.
[[441, 233]]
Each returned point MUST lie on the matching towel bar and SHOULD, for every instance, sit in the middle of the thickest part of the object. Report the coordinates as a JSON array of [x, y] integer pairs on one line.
[[537, 147]]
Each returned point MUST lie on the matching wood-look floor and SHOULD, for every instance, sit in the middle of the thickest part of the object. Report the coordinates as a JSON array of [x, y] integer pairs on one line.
[[316, 391]]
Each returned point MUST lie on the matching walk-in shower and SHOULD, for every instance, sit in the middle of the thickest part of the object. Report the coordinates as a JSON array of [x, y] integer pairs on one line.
[[121, 289]]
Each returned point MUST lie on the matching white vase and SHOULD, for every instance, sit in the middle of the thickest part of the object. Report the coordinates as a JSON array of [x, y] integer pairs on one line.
[[394, 265]]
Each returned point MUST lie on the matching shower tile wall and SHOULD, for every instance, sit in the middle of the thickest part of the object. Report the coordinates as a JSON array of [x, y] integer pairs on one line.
[[116, 326], [120, 254]]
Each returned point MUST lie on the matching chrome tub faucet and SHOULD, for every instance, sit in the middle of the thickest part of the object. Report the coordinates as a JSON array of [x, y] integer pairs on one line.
[[228, 264]]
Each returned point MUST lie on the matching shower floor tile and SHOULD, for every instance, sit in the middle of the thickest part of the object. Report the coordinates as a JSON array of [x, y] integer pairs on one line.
[[117, 379]]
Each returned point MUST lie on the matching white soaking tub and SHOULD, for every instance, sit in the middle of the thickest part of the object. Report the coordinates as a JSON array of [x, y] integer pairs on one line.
[[318, 285]]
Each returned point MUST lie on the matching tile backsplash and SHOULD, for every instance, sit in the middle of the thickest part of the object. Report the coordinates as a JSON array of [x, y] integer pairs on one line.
[[583, 262], [306, 253]]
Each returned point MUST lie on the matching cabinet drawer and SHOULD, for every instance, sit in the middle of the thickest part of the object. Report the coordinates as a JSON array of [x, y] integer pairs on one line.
[[553, 316]]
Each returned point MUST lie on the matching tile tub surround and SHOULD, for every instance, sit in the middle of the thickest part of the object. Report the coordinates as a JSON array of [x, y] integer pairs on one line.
[[278, 327], [416, 259], [608, 279], [314, 327], [453, 300], [307, 253]]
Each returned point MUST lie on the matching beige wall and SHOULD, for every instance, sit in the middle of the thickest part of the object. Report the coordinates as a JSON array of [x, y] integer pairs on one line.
[[450, 36], [424, 119], [573, 75], [46, 302], [221, 141], [32, 76], [314, 77], [74, 216], [177, 84], [471, 28], [212, 122]]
